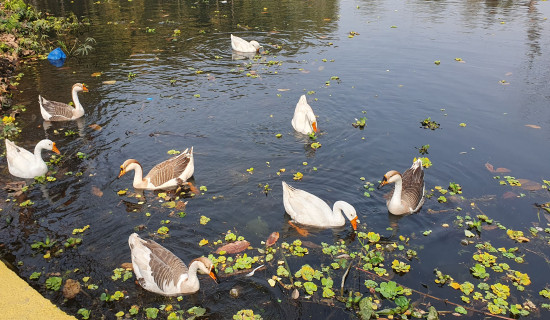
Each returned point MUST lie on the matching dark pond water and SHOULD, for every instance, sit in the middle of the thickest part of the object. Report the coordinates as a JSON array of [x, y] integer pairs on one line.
[[387, 70]]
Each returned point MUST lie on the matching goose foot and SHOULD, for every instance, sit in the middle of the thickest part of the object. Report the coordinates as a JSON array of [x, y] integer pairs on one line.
[[301, 231]]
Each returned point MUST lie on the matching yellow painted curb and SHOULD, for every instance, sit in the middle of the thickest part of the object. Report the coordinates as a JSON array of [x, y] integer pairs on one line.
[[20, 301]]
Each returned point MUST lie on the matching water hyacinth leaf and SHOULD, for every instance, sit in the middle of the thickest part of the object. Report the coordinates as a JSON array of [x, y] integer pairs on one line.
[[432, 314], [151, 313], [310, 287], [54, 283], [469, 234], [204, 220], [366, 311], [85, 313]]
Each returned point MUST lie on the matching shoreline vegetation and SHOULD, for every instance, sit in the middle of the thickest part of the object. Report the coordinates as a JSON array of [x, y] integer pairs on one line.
[[28, 34]]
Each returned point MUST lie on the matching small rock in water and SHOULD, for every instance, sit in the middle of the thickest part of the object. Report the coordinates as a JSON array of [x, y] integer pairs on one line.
[[234, 292], [295, 294], [464, 242]]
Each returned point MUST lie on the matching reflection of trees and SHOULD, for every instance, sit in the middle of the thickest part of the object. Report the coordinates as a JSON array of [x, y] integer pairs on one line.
[[120, 26]]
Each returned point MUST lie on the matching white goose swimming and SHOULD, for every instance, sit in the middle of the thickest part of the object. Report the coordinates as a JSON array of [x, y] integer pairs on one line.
[[304, 120], [241, 45], [165, 175], [27, 165], [408, 194], [307, 209], [160, 271], [59, 111]]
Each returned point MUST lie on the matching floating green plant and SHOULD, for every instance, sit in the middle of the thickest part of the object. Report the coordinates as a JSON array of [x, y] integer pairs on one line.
[[428, 123]]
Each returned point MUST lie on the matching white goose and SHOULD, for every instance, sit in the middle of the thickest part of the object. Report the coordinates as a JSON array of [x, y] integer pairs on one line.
[[307, 209], [160, 271], [23, 163], [165, 175], [408, 194], [241, 45], [304, 120], [59, 111]]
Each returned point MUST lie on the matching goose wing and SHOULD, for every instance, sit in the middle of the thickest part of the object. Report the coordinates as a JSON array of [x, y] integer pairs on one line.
[[413, 187], [17, 155], [304, 207], [156, 265], [169, 169], [57, 110]]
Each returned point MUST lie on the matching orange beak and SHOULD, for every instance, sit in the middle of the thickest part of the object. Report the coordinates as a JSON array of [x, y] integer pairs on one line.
[[314, 126], [354, 223], [84, 88], [54, 149], [383, 183], [122, 172], [212, 275]]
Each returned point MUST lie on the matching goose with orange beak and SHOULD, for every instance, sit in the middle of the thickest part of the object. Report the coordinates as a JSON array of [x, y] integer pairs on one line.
[[25, 164], [59, 111], [304, 120], [160, 271], [307, 209]]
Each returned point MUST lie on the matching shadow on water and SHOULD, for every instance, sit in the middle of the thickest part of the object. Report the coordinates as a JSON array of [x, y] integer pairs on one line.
[[190, 90]]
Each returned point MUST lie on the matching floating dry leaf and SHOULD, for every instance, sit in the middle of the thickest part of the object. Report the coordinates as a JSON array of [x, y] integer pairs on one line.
[[234, 247], [180, 205], [97, 192], [71, 288], [273, 237], [295, 294], [534, 126], [530, 185], [492, 169], [96, 127], [96, 74], [509, 195], [109, 82], [127, 266], [283, 89]]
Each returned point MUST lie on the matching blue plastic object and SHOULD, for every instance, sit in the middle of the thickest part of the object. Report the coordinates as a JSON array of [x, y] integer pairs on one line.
[[57, 57]]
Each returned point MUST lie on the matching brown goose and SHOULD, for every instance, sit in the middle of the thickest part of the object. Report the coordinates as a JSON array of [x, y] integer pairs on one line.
[[158, 270], [165, 175], [59, 111], [408, 194]]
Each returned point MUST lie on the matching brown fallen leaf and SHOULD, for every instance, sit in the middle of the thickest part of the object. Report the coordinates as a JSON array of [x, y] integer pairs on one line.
[[534, 126], [96, 74], [127, 266], [109, 82], [71, 288], [509, 195], [234, 247], [492, 169], [97, 192], [273, 237], [522, 239], [283, 89], [95, 126], [180, 205], [530, 185]]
